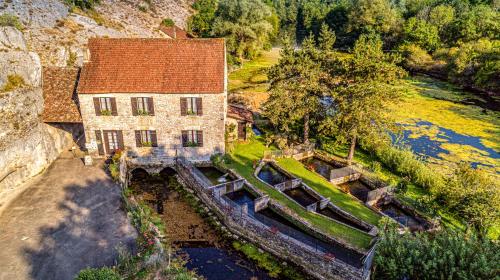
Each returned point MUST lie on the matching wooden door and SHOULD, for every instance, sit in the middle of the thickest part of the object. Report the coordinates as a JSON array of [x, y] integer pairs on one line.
[[242, 131]]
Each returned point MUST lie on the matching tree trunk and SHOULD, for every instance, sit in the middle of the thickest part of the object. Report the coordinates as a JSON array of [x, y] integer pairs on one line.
[[350, 156], [306, 129]]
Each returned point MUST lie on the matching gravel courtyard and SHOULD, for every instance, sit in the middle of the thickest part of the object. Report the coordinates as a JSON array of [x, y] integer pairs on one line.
[[67, 219]]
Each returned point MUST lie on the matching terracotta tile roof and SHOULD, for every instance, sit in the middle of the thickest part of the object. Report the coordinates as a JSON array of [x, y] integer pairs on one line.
[[239, 112], [174, 32], [60, 100], [154, 66]]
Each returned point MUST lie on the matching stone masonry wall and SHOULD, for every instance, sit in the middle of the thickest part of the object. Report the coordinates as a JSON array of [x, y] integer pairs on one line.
[[167, 122]]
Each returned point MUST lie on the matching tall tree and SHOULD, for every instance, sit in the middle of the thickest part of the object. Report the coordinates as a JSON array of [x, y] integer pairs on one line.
[[295, 87], [247, 26], [361, 91]]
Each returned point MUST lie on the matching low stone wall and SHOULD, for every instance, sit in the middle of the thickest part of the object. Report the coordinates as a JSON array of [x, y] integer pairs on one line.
[[319, 265]]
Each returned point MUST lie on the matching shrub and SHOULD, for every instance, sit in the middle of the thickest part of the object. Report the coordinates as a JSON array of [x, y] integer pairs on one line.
[[13, 81], [403, 162], [83, 4], [104, 273], [168, 22], [473, 195], [10, 20], [416, 58], [440, 255]]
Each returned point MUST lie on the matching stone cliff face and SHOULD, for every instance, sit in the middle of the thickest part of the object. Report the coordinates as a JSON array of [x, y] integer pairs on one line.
[[27, 145], [56, 33]]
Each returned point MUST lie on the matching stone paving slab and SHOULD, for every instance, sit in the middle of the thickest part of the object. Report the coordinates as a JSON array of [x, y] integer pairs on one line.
[[69, 218]]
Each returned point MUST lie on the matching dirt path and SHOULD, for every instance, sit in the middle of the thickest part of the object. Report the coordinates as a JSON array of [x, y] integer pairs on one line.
[[68, 219]]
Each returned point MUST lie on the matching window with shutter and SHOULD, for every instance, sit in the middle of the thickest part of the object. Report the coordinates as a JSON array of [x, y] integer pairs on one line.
[[105, 106], [183, 106], [192, 138], [113, 140], [191, 106], [146, 138]]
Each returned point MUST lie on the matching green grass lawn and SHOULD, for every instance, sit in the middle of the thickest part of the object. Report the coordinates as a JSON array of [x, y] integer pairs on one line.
[[251, 77], [243, 157]]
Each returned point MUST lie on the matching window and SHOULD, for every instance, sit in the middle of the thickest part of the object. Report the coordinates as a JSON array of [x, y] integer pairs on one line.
[[191, 106], [146, 138], [192, 138], [142, 106], [105, 106], [113, 140]]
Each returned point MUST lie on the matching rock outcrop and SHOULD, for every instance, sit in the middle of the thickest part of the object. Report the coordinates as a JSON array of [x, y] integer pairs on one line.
[[27, 145], [59, 35]]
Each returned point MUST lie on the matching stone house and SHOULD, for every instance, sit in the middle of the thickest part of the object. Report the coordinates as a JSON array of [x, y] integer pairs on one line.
[[239, 122], [157, 98]]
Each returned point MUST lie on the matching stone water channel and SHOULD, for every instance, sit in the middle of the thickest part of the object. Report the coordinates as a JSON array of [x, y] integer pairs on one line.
[[360, 189], [307, 197], [196, 241], [253, 216]]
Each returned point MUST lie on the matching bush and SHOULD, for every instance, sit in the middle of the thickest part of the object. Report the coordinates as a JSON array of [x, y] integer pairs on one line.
[[416, 58], [440, 255], [473, 195], [104, 273], [168, 22], [403, 162], [83, 4], [10, 20]]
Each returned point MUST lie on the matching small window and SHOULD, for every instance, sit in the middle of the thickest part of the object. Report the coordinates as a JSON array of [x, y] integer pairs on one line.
[[142, 106], [105, 106], [105, 103], [191, 106], [192, 138], [146, 138]]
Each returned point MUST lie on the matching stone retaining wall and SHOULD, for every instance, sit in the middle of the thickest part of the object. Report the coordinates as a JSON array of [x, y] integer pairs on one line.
[[318, 265]]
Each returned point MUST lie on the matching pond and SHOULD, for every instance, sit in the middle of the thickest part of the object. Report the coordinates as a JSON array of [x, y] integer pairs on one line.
[[319, 166], [327, 211], [400, 216], [214, 175], [242, 197], [256, 131], [432, 145], [301, 196], [271, 175], [357, 188], [194, 239]]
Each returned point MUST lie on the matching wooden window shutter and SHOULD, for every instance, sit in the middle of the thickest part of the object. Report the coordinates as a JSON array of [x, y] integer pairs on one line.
[[114, 111], [154, 140], [199, 136], [133, 100], [97, 106], [183, 106], [151, 106], [199, 106], [138, 141], [98, 138], [106, 141], [184, 138], [121, 146]]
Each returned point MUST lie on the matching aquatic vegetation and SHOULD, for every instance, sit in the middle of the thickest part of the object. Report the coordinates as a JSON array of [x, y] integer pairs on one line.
[[436, 125]]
